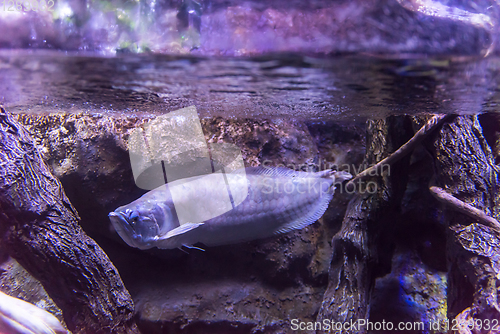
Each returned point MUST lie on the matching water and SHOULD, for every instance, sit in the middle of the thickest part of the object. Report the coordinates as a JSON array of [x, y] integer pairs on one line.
[[278, 109], [308, 88]]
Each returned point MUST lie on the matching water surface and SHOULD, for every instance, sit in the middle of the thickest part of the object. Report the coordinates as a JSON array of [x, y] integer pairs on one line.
[[328, 88]]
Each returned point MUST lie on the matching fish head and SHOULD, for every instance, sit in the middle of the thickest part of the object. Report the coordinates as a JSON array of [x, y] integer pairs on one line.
[[140, 224]]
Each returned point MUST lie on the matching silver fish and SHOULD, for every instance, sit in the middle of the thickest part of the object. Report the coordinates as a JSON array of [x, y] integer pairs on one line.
[[20, 317], [277, 200]]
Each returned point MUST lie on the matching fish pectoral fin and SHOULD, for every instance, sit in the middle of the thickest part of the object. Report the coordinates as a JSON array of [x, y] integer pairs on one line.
[[186, 227], [193, 247]]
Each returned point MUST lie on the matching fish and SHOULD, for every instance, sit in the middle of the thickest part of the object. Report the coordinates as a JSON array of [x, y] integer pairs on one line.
[[20, 317], [276, 200]]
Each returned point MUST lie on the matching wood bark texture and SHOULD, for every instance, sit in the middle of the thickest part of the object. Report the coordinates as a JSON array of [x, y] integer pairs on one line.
[[362, 248], [466, 169], [40, 229]]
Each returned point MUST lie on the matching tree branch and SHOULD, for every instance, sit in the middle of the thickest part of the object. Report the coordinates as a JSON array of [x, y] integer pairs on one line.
[[405, 149], [467, 209]]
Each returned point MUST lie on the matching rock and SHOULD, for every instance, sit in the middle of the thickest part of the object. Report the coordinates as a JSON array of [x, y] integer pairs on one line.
[[257, 286], [412, 292], [253, 286], [88, 154], [239, 28], [17, 282]]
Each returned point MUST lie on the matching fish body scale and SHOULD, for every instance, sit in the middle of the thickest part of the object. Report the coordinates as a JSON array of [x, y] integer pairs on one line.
[[261, 214]]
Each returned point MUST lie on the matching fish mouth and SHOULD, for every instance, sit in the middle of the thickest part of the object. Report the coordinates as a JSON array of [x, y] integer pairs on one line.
[[122, 225], [113, 216], [134, 237]]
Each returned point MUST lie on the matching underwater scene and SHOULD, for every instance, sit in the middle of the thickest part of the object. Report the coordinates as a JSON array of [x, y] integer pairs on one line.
[[245, 167]]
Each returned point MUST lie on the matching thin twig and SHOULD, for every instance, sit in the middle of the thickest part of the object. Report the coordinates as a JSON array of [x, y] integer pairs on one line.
[[467, 209], [435, 122]]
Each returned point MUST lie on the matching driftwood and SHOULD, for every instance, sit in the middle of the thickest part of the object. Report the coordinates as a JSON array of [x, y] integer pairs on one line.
[[469, 184], [478, 215], [362, 247], [40, 229], [405, 149], [465, 168]]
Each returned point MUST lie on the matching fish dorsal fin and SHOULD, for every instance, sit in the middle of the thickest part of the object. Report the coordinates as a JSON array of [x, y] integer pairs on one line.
[[180, 230], [280, 171], [309, 219]]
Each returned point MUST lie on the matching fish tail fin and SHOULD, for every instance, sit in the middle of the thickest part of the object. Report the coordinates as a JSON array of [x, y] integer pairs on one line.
[[337, 176], [340, 176]]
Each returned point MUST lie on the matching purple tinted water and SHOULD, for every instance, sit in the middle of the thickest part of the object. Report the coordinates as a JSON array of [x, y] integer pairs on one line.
[[335, 88]]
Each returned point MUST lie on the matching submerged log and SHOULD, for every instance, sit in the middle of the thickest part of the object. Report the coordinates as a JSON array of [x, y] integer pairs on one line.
[[40, 229], [465, 168], [362, 248]]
